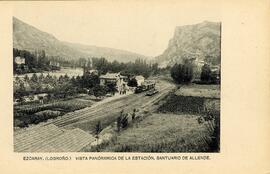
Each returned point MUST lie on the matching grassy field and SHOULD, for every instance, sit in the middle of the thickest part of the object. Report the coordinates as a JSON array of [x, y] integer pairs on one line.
[[161, 133], [195, 90]]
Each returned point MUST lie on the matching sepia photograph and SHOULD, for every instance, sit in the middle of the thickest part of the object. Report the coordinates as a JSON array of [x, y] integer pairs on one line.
[[119, 81]]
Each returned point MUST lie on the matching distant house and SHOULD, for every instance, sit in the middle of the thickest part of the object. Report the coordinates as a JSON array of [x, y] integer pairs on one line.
[[55, 65], [215, 71], [40, 97], [37, 97], [19, 60], [115, 78], [89, 71], [93, 71], [20, 64], [215, 68], [140, 80]]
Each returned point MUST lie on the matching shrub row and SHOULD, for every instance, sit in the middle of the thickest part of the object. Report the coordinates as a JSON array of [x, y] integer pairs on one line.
[[66, 106], [36, 118]]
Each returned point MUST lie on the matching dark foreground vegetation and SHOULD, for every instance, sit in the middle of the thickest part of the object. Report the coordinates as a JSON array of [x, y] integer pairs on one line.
[[182, 104]]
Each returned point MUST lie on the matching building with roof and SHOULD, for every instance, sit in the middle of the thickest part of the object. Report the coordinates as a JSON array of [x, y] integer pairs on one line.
[[140, 80], [19, 60], [114, 78]]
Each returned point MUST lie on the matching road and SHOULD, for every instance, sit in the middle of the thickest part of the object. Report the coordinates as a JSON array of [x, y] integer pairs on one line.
[[107, 112]]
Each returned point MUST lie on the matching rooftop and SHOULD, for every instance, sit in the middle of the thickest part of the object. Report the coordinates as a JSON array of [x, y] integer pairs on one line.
[[112, 76], [139, 77]]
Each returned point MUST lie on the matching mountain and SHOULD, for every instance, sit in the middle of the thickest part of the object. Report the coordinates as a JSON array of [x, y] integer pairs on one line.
[[109, 53], [30, 38], [200, 42]]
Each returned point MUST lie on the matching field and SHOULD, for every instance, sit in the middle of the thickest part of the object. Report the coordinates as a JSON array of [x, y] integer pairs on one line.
[[169, 121], [25, 115], [194, 90], [192, 99], [161, 133], [180, 123], [50, 138]]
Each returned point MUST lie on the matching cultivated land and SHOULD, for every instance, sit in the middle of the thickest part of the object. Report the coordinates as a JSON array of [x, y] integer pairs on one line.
[[85, 119], [160, 133], [159, 126], [207, 91], [172, 125]]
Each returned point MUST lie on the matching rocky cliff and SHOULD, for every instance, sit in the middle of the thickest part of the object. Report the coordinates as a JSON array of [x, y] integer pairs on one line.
[[200, 42]]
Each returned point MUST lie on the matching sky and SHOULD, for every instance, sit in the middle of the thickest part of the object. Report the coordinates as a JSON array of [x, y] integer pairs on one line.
[[136, 26]]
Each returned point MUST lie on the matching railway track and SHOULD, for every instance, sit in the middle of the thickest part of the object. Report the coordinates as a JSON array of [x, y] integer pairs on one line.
[[128, 103], [140, 102]]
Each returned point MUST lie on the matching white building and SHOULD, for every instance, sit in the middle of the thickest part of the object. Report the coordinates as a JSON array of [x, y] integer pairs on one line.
[[19, 60], [115, 78], [140, 80], [56, 64]]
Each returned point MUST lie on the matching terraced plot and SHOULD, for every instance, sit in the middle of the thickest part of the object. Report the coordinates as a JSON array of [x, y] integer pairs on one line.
[[24, 141], [71, 141], [50, 138]]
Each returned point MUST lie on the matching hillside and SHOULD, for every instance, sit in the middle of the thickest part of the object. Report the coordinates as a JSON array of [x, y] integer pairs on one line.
[[109, 53], [200, 41], [30, 38]]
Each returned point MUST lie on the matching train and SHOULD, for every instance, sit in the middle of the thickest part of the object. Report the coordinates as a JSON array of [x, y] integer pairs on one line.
[[146, 86]]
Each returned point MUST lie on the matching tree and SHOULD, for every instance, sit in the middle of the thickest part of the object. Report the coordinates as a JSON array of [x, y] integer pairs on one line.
[[155, 68], [21, 87], [101, 64], [34, 78], [188, 72], [115, 66], [82, 62], [182, 73], [118, 123], [112, 88], [132, 82], [41, 77], [89, 81], [119, 120], [98, 130], [124, 121], [133, 114], [26, 78], [99, 91], [206, 73], [48, 79]]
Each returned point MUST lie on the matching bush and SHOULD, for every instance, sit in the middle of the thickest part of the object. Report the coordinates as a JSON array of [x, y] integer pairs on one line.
[[48, 113], [132, 82], [124, 121], [43, 116], [24, 120], [206, 73]]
